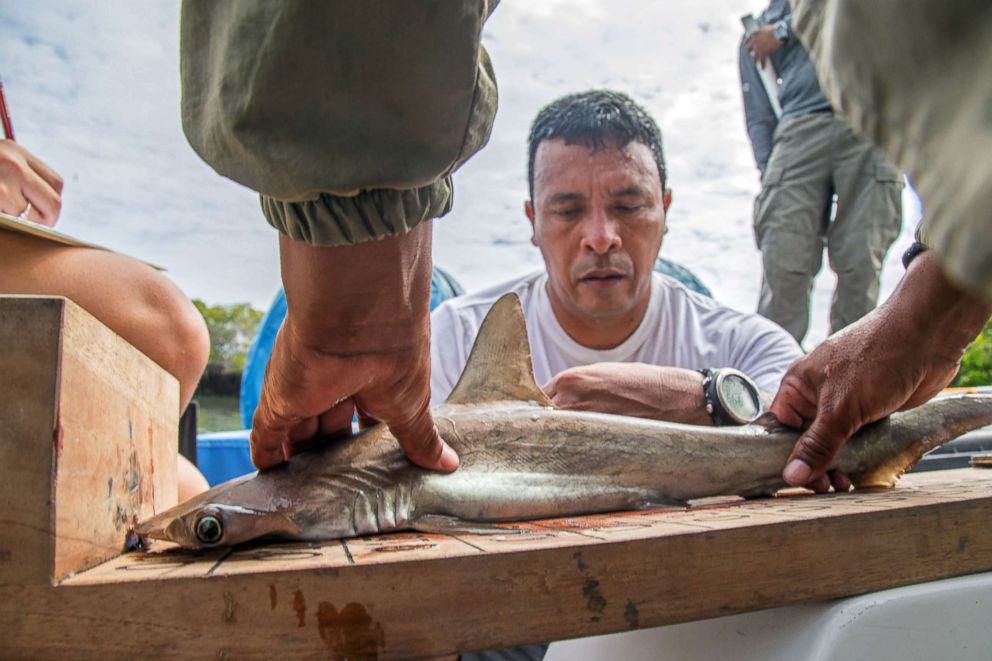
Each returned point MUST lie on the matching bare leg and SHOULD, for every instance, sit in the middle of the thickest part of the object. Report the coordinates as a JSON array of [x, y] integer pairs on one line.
[[191, 480], [132, 299]]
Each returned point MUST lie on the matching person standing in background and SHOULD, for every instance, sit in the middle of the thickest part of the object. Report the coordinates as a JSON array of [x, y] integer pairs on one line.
[[807, 157]]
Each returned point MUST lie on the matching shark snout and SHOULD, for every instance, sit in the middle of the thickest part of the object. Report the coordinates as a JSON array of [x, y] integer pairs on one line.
[[160, 526]]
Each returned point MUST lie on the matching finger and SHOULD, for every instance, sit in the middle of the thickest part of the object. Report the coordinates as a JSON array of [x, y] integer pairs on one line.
[[287, 408], [269, 433], [333, 423], [266, 444], [816, 449], [294, 448], [840, 481], [551, 388], [304, 429], [48, 174], [791, 407], [364, 419], [820, 484], [796, 402], [568, 389], [14, 201], [577, 404], [337, 420], [46, 203], [422, 443]]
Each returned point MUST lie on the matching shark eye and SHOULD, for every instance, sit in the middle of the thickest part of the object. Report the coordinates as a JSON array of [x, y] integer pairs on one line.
[[209, 529]]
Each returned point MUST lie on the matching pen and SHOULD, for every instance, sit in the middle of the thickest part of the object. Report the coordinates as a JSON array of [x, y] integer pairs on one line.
[[8, 128]]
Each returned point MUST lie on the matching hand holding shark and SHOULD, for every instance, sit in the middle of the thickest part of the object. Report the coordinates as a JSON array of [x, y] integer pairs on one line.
[[895, 358], [356, 338]]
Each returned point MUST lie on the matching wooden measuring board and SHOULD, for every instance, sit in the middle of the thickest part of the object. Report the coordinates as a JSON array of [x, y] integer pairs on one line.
[[87, 439], [409, 594], [82, 422]]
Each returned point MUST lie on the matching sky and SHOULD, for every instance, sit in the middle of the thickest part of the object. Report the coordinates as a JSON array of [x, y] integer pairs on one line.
[[93, 90]]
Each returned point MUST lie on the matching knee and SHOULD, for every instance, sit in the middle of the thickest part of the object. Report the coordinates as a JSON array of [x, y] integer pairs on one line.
[[181, 344], [191, 481], [191, 346], [191, 331]]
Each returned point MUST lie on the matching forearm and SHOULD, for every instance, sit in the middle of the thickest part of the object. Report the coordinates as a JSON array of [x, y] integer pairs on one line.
[[945, 317], [672, 394], [679, 397], [362, 298]]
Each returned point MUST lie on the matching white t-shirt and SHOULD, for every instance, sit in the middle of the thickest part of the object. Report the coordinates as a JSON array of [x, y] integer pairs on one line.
[[680, 329]]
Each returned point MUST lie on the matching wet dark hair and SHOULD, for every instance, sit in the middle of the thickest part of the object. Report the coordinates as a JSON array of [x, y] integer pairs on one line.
[[597, 119]]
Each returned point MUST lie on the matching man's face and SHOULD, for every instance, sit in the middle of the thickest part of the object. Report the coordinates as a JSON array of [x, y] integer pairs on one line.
[[598, 219]]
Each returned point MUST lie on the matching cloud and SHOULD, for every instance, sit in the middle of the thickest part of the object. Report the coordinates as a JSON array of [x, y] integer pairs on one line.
[[94, 91]]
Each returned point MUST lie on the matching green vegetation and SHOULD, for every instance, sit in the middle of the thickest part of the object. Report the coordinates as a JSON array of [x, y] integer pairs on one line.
[[232, 328], [976, 366], [217, 413]]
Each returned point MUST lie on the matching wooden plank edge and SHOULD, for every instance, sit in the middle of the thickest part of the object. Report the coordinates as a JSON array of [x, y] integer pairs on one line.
[[482, 602]]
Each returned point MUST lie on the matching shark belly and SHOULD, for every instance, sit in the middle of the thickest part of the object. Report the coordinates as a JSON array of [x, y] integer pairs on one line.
[[527, 461]]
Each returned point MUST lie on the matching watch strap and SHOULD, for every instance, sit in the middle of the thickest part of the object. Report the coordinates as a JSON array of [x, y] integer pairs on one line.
[[710, 399], [720, 416]]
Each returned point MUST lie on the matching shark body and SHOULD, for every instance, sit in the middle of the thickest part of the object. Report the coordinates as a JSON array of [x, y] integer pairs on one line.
[[522, 458]]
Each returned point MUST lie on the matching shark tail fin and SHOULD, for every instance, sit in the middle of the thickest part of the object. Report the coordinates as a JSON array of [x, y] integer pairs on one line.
[[499, 366], [931, 425]]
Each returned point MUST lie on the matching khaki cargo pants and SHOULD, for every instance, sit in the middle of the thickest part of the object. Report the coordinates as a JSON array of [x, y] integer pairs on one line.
[[914, 78], [814, 157]]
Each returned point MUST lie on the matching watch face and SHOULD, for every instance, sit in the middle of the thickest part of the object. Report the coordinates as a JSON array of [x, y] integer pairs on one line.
[[739, 399]]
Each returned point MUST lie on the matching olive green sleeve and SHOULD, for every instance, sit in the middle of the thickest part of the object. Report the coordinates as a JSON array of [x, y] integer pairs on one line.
[[347, 117], [912, 77]]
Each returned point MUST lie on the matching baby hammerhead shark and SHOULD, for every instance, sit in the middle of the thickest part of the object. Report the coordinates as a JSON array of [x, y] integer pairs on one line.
[[523, 458]]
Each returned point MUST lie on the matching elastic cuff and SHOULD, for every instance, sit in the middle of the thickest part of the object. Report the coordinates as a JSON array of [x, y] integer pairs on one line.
[[333, 220]]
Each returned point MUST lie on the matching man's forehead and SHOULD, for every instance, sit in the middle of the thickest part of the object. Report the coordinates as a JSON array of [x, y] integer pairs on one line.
[[555, 159]]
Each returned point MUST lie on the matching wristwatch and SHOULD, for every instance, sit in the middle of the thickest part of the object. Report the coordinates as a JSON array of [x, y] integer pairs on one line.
[[781, 31], [731, 397]]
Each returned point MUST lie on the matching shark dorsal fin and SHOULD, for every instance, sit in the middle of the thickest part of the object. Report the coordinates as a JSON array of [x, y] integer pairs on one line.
[[499, 367]]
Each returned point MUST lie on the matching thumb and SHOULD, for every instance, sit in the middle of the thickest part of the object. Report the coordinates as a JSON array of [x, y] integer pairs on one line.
[[551, 387], [816, 448], [422, 444]]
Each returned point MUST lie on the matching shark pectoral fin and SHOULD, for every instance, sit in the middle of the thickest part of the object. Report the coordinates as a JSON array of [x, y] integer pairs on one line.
[[275, 523], [449, 525], [499, 367]]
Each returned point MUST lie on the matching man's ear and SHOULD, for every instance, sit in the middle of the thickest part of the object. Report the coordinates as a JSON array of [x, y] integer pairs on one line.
[[667, 199], [529, 212]]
